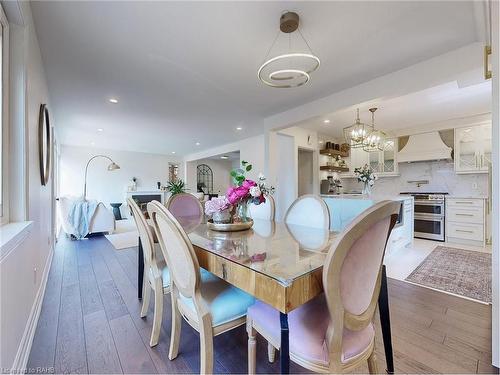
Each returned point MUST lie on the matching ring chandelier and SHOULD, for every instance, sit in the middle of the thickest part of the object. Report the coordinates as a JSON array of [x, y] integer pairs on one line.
[[290, 69]]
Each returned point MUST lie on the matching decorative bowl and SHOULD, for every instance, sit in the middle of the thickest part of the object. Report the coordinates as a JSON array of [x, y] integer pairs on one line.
[[230, 227]]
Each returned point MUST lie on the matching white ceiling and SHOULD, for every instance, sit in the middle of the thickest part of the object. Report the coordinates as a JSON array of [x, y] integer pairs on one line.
[[185, 72], [430, 106]]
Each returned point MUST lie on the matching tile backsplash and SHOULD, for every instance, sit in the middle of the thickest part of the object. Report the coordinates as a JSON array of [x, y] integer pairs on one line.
[[441, 178]]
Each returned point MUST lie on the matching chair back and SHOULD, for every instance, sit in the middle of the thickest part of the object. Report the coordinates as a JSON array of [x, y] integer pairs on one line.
[[176, 248], [184, 205], [310, 211], [145, 233], [352, 271], [263, 211]]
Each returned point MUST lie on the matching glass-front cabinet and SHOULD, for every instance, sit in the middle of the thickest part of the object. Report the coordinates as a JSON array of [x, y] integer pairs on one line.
[[473, 149], [384, 163]]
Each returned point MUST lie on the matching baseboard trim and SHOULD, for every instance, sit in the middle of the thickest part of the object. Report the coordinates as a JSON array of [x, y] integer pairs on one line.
[[24, 349]]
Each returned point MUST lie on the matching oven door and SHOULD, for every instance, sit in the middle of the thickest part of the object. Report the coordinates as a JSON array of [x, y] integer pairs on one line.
[[429, 207], [429, 226]]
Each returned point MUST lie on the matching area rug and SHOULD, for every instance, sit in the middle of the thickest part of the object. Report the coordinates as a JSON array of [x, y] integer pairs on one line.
[[462, 272], [125, 235]]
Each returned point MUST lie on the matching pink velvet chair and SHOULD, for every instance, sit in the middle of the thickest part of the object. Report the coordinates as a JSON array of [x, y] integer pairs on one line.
[[184, 206], [334, 332]]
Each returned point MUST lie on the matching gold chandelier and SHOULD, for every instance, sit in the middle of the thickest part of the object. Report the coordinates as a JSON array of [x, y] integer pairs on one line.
[[375, 140], [293, 68], [355, 135]]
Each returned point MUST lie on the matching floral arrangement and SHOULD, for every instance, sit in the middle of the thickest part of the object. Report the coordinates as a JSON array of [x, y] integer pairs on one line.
[[365, 174], [243, 192]]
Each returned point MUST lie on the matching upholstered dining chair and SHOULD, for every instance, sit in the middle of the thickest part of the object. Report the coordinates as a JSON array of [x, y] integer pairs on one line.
[[184, 205], [308, 210], [156, 274], [264, 211], [334, 332], [209, 304]]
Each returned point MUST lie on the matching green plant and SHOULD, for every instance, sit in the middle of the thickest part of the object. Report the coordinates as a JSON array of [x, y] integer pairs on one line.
[[238, 174], [176, 187]]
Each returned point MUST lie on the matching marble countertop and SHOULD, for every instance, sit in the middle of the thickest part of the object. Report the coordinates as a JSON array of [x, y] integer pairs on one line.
[[375, 198]]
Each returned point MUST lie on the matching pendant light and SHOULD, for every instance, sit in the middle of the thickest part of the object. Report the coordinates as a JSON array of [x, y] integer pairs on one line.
[[375, 140], [292, 68], [356, 133]]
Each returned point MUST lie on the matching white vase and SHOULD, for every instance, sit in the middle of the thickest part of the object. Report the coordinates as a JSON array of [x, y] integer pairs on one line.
[[367, 189]]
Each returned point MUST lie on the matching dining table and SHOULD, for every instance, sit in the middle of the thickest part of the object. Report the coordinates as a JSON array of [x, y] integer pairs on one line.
[[278, 263]]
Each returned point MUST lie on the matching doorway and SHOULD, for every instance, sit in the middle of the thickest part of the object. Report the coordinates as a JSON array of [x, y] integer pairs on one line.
[[305, 172]]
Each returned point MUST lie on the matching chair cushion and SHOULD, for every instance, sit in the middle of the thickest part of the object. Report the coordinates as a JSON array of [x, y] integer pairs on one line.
[[165, 275], [307, 329], [226, 302]]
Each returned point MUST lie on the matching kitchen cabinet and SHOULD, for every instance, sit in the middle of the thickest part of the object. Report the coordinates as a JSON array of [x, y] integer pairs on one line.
[[473, 149], [384, 163], [466, 221]]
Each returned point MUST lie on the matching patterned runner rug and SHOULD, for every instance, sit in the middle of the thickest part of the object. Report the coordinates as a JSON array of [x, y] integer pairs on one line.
[[463, 272]]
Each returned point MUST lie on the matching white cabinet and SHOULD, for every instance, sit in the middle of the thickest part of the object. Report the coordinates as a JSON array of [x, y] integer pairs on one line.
[[473, 149], [402, 234], [465, 221], [384, 163]]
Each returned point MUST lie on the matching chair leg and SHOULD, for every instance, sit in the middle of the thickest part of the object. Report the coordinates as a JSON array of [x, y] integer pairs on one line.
[[372, 363], [252, 347], [206, 345], [271, 352], [175, 334], [146, 294], [158, 314]]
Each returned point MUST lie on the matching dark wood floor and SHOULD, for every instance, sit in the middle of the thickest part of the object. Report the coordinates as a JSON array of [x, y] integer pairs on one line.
[[90, 323]]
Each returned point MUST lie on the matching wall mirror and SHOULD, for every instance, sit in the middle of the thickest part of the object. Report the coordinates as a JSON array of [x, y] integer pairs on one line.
[[44, 144]]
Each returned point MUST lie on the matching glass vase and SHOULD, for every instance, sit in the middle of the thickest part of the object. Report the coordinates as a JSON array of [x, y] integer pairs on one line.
[[242, 212], [222, 217], [367, 189]]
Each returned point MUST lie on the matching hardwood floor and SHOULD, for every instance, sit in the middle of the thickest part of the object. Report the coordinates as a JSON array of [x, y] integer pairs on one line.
[[90, 323]]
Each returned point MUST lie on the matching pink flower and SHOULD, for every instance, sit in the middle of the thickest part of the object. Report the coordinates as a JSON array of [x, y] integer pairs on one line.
[[216, 205], [249, 183]]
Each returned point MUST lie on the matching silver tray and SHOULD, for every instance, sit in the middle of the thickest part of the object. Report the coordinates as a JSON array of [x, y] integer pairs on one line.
[[232, 227]]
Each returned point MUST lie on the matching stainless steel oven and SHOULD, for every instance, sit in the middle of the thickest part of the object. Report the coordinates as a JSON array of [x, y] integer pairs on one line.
[[429, 215]]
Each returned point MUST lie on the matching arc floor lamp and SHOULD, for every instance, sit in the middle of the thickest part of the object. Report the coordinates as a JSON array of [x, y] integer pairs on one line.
[[111, 167]]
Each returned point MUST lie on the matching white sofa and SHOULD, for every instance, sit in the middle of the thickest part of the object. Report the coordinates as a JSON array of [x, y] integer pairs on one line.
[[102, 221]]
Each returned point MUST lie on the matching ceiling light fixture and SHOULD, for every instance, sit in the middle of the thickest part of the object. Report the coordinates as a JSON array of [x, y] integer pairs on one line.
[[173, 152], [375, 140], [197, 143], [293, 68], [239, 128], [113, 100], [326, 121], [356, 134], [224, 157], [100, 129]]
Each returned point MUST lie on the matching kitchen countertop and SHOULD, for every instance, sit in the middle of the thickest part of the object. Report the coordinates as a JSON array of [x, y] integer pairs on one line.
[[375, 198], [467, 196]]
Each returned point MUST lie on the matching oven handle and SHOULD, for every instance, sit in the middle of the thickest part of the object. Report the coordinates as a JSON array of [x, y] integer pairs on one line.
[[429, 203], [429, 217]]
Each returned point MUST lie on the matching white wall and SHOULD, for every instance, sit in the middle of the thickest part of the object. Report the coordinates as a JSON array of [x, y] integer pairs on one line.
[[221, 170], [110, 187], [24, 267], [251, 150]]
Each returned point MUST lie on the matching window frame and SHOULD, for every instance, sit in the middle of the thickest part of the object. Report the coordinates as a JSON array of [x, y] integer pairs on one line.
[[5, 124]]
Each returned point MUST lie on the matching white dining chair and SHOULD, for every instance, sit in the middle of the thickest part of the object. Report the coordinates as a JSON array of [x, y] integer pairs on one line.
[[310, 211], [264, 211], [208, 304], [334, 332], [156, 273]]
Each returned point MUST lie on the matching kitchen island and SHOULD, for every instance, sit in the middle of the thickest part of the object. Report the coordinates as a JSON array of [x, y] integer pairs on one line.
[[345, 207]]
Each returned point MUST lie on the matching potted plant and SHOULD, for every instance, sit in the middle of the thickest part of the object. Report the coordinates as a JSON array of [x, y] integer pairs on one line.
[[176, 187]]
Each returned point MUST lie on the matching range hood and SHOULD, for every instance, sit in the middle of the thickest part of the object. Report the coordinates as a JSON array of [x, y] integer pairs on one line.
[[424, 147]]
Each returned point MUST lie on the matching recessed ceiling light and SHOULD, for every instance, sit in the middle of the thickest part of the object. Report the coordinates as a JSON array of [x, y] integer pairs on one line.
[[113, 100], [326, 121], [239, 128], [173, 152], [320, 142], [92, 143], [224, 157], [197, 143], [100, 129]]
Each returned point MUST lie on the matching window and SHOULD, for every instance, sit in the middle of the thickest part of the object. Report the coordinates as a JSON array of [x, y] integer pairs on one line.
[[4, 134]]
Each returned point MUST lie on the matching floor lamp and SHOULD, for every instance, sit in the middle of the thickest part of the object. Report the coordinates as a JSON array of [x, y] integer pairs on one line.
[[112, 167]]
